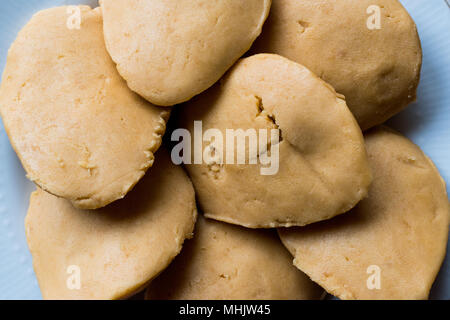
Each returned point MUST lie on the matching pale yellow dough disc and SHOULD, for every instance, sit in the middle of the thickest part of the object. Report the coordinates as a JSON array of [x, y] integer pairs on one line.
[[80, 133], [116, 250], [226, 262], [398, 235], [377, 70], [171, 50], [323, 168]]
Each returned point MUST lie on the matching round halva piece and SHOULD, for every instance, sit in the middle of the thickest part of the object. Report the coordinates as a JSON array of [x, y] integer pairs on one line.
[[113, 252], [80, 133], [171, 50], [368, 50], [226, 262], [318, 169], [392, 244]]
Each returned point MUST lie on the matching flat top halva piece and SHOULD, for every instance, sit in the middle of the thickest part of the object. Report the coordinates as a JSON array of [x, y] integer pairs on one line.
[[79, 131], [113, 252], [368, 50], [392, 244], [226, 262], [171, 50]]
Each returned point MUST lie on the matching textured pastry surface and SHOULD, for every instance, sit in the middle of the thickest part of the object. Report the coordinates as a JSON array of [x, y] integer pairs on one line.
[[323, 168], [171, 50], [226, 262], [115, 250], [377, 70], [400, 230], [79, 131]]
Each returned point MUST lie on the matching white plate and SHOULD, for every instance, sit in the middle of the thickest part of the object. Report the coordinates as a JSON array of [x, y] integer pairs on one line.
[[427, 123]]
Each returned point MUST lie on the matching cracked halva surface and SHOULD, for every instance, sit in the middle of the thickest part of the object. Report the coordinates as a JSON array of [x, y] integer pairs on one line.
[[323, 166]]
